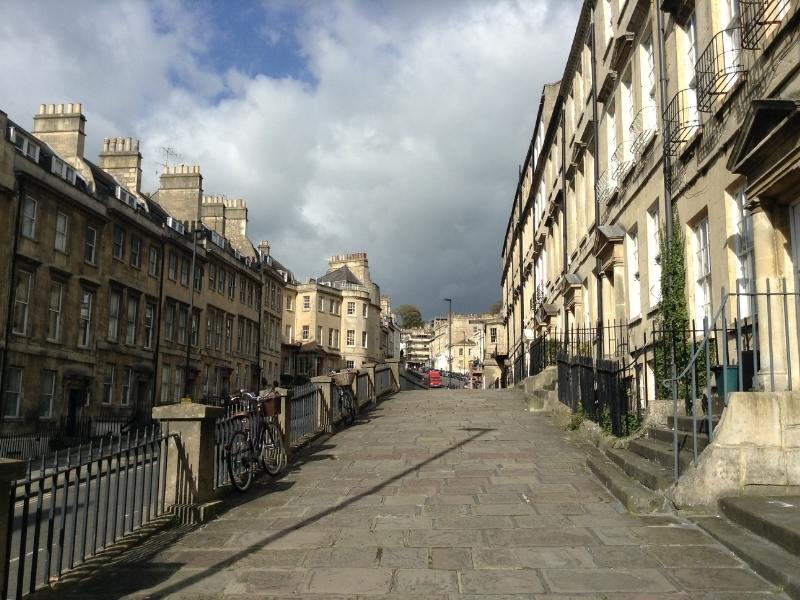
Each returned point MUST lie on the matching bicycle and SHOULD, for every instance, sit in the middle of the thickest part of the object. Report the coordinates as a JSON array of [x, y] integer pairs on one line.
[[346, 401], [262, 443]]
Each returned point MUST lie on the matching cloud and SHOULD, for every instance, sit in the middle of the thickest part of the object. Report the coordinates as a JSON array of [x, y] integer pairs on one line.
[[403, 139]]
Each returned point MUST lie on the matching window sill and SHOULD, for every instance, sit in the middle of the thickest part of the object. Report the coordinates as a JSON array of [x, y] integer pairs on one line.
[[635, 320], [49, 419], [653, 309]]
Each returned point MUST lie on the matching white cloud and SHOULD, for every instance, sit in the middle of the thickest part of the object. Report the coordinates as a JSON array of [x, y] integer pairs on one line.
[[406, 145]]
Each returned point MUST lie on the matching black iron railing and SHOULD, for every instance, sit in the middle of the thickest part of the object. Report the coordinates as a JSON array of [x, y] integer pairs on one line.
[[643, 128], [306, 413], [760, 18], [719, 67], [682, 121], [72, 504]]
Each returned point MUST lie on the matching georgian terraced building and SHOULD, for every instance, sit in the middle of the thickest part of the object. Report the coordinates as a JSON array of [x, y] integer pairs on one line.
[[665, 106], [111, 302]]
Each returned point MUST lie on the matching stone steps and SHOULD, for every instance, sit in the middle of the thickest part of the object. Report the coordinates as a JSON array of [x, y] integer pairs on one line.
[[775, 518], [662, 434], [646, 472], [769, 560], [633, 495], [661, 453], [685, 423]]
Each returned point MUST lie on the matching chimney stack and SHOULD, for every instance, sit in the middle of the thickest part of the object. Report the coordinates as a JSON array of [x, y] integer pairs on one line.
[[180, 192], [122, 160], [263, 248], [62, 127]]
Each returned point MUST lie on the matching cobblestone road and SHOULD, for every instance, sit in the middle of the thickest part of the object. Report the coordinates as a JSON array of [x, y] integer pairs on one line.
[[435, 495]]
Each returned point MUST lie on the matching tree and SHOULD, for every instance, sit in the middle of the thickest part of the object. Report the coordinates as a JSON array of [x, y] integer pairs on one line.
[[496, 307], [410, 316]]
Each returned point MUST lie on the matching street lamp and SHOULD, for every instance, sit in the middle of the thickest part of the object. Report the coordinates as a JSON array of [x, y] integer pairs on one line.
[[449, 339], [193, 279]]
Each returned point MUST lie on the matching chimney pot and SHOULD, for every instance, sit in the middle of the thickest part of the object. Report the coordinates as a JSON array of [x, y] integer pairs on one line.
[[42, 109]]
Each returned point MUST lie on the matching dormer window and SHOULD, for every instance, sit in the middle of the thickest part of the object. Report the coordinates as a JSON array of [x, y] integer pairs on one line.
[[123, 196], [24, 144], [63, 170]]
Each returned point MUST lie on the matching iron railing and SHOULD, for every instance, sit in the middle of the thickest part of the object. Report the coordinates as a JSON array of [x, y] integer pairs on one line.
[[682, 121], [224, 428], [607, 184], [306, 419], [383, 380], [622, 160], [643, 128], [719, 67], [758, 352], [761, 18], [363, 389], [72, 504]]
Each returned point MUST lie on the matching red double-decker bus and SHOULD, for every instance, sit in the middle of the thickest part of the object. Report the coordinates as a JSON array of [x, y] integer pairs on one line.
[[434, 379]]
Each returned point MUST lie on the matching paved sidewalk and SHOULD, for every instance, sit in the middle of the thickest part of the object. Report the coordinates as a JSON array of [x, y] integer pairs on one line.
[[435, 495]]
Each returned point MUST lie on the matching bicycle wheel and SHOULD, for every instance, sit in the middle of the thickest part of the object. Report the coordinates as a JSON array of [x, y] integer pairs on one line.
[[347, 407], [273, 449], [240, 461]]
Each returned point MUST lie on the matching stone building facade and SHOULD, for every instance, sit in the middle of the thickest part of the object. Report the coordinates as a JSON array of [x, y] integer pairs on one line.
[[103, 313], [684, 108]]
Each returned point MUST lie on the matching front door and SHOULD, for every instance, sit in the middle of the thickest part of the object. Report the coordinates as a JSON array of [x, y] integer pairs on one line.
[[75, 401]]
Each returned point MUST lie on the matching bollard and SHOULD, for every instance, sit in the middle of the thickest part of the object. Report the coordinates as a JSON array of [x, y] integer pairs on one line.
[[189, 485]]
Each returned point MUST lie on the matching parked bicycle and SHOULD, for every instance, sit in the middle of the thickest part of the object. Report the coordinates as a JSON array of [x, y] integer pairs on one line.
[[346, 402], [258, 439]]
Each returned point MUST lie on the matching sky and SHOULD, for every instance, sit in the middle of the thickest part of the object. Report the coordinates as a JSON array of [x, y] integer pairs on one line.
[[392, 127]]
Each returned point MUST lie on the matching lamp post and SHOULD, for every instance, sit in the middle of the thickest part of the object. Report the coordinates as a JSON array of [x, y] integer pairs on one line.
[[449, 339], [192, 279]]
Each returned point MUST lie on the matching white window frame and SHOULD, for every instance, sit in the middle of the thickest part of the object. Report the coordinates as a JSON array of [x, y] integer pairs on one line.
[[48, 393], [114, 314], [149, 324], [21, 302], [27, 225], [744, 252], [306, 303], [364, 339], [12, 395], [306, 332], [61, 242], [131, 319], [90, 246], [127, 387], [351, 309], [85, 319], [654, 256], [118, 245], [166, 383], [634, 280], [350, 340], [108, 386], [702, 271], [54, 312]]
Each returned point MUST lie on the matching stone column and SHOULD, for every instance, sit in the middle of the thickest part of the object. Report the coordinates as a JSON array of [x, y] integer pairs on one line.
[[394, 366], [325, 384], [766, 269], [10, 470], [189, 486], [285, 419]]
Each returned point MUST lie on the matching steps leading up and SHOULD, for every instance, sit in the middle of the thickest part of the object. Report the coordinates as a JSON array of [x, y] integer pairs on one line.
[[646, 472], [661, 453], [634, 496], [775, 518], [662, 434], [769, 560]]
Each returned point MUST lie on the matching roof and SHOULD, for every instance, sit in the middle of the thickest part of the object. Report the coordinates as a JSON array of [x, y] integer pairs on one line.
[[338, 275]]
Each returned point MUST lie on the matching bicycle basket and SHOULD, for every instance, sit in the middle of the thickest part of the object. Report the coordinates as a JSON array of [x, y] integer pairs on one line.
[[270, 405], [344, 378]]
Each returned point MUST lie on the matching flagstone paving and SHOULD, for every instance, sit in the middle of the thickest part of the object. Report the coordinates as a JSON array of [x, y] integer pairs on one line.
[[435, 495]]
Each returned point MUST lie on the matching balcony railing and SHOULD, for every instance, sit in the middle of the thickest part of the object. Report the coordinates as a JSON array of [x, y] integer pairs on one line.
[[643, 128], [682, 121], [622, 160], [761, 18], [606, 185], [719, 67]]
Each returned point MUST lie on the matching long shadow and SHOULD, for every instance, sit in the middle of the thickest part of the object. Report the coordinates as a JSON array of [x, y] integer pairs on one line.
[[227, 562]]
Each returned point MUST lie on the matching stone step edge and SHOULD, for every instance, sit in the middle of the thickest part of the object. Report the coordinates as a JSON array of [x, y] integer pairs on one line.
[[769, 560], [786, 538], [661, 453], [640, 469], [633, 495]]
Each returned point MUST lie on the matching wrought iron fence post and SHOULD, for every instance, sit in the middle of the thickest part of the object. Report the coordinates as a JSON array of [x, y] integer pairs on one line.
[[189, 486], [325, 385], [10, 471]]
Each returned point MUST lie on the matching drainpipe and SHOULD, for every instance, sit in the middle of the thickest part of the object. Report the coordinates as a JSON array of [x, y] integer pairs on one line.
[[10, 305], [521, 265], [564, 214], [157, 352], [596, 144], [662, 72]]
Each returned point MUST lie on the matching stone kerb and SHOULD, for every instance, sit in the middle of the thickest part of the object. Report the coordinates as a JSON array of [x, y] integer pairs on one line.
[[189, 486], [757, 442]]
